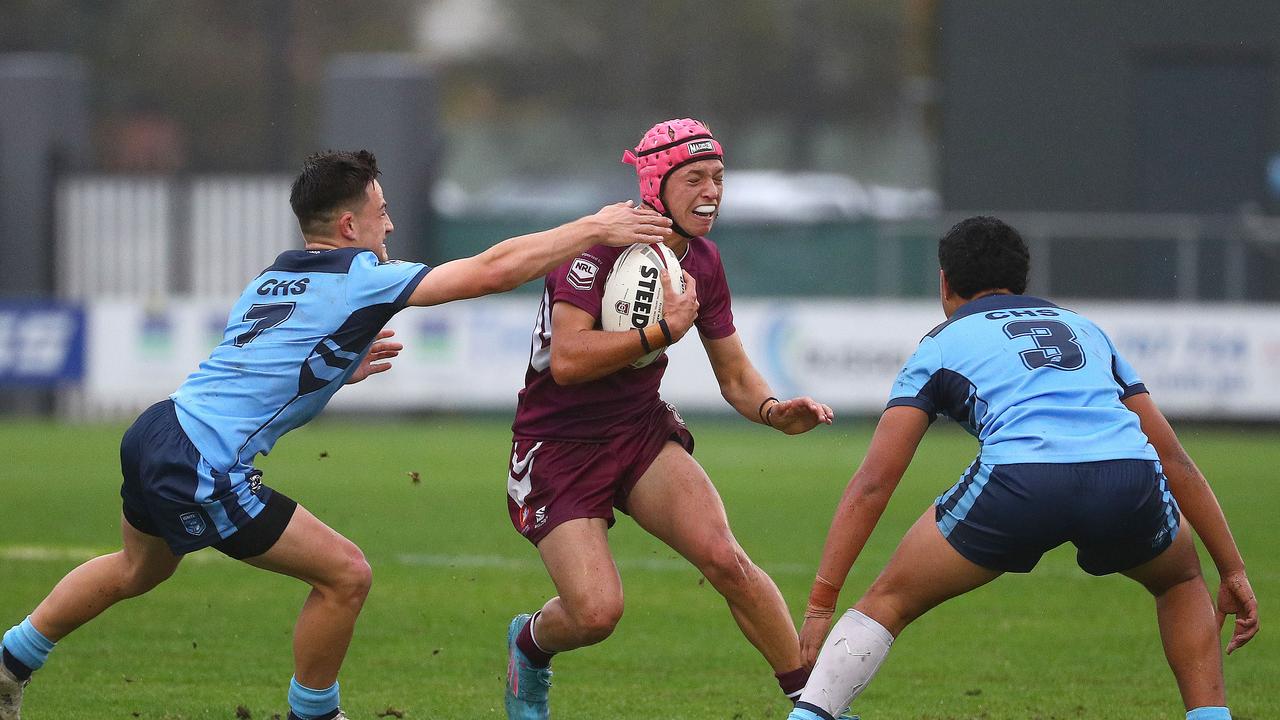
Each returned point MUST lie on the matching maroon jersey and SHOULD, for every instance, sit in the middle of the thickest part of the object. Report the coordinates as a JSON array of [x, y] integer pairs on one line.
[[597, 410]]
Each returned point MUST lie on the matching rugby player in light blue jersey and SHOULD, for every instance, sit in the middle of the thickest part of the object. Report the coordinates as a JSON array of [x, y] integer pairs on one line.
[[307, 325], [1071, 449]]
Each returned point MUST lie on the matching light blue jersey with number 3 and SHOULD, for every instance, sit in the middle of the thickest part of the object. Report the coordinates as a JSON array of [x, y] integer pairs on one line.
[[1035, 383], [296, 334]]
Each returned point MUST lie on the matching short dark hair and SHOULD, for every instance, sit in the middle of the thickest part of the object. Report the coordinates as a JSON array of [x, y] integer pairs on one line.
[[984, 253], [330, 181]]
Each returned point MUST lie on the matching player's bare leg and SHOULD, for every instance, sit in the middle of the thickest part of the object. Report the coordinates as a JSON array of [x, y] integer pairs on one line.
[[1188, 623], [340, 578], [587, 608], [675, 502], [84, 593], [923, 572], [143, 562], [589, 603]]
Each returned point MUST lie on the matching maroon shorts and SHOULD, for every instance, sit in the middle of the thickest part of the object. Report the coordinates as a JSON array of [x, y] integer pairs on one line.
[[554, 481]]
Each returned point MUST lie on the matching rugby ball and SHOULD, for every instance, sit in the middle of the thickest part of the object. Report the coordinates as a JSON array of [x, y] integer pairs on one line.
[[633, 291]]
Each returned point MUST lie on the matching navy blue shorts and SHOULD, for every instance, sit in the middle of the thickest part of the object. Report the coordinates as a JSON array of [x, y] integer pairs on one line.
[[171, 492], [1118, 513]]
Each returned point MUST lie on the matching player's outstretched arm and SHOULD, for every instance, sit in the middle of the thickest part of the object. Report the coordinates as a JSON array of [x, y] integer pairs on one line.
[[746, 390], [892, 446], [518, 260], [581, 353], [1200, 506]]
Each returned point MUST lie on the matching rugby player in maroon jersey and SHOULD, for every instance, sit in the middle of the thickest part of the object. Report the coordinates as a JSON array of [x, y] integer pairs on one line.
[[592, 434]]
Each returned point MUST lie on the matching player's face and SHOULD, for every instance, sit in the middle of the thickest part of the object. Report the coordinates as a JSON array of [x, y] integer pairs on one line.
[[372, 223], [692, 195]]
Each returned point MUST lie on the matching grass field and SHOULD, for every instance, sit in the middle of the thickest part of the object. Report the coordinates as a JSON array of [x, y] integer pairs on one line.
[[450, 572]]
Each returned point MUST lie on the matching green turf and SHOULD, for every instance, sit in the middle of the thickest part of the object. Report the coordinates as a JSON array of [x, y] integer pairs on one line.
[[1055, 644]]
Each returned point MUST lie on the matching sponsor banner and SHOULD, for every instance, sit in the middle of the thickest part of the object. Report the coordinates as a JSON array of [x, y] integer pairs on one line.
[[140, 352], [1208, 361], [41, 344]]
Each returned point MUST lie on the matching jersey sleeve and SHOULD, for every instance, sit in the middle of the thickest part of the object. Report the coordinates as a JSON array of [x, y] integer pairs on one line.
[[1124, 373], [370, 282], [580, 282], [715, 305], [915, 385]]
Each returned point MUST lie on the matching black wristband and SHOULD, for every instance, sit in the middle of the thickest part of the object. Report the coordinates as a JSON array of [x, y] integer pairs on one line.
[[764, 418], [768, 415], [666, 331], [644, 341]]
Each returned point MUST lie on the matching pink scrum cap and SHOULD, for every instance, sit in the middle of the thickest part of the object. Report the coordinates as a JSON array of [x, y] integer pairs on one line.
[[667, 146]]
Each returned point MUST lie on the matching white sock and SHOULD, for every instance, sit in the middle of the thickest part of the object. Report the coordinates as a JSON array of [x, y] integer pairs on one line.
[[849, 659]]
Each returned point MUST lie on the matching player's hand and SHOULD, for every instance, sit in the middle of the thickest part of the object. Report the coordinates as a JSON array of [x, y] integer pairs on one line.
[[623, 224], [799, 415], [812, 634], [373, 361], [679, 309], [1235, 597]]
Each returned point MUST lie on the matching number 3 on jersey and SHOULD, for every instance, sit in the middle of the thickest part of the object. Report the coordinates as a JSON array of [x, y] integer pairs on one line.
[[1056, 345], [263, 317]]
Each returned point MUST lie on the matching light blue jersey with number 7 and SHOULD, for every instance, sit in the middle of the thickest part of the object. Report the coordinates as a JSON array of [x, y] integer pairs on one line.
[[1035, 383], [296, 334]]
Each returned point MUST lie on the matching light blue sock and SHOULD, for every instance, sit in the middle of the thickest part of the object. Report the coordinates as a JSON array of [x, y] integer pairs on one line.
[[801, 714], [307, 703], [1209, 713], [27, 645]]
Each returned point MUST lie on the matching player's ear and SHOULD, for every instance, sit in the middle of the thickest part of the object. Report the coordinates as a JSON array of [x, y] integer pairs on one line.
[[347, 225], [944, 289]]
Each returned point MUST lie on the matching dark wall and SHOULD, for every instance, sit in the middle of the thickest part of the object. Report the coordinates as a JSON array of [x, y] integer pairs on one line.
[[1091, 106], [43, 127]]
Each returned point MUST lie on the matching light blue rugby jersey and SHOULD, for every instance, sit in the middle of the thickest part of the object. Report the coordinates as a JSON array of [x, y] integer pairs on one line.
[[1035, 383], [293, 338]]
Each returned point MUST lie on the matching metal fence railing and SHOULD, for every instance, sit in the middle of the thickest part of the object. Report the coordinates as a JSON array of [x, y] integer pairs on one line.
[[150, 237]]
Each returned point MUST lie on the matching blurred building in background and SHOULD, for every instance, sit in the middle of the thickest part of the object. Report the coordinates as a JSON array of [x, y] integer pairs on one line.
[[1135, 144]]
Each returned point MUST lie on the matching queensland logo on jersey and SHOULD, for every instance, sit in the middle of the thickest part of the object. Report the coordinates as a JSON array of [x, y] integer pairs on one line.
[[582, 273], [193, 523], [700, 146]]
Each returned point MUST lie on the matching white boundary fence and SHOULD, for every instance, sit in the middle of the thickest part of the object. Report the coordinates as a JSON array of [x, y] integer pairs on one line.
[[1199, 360], [157, 262]]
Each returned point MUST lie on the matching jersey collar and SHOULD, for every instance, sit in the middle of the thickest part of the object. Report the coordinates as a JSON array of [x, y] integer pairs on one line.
[[989, 303], [999, 302]]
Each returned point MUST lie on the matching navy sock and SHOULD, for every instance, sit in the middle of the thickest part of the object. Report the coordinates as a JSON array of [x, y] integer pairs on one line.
[[815, 710], [538, 657], [15, 667], [793, 682]]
